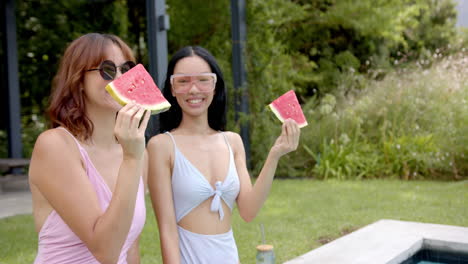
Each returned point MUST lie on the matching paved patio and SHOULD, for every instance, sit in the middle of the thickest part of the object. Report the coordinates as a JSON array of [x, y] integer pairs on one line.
[[15, 203], [15, 197]]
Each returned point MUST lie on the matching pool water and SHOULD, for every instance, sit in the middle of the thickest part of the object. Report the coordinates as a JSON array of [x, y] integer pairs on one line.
[[429, 262], [429, 256]]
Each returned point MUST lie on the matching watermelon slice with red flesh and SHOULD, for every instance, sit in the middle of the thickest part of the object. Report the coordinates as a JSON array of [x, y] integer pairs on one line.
[[287, 106], [138, 86]]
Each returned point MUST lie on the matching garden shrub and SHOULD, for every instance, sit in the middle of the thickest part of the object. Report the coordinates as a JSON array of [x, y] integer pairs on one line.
[[411, 125]]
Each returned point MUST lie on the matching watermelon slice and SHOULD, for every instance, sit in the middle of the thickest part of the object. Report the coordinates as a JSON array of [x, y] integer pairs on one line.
[[287, 106], [137, 85]]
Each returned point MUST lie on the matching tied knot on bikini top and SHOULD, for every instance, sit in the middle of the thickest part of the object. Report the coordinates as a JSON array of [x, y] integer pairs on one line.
[[216, 203], [190, 187]]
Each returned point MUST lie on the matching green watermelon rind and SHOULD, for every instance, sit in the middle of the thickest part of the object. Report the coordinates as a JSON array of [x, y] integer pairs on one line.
[[278, 115], [155, 109]]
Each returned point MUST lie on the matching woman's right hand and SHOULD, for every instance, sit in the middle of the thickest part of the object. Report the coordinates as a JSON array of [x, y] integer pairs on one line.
[[288, 141], [129, 132]]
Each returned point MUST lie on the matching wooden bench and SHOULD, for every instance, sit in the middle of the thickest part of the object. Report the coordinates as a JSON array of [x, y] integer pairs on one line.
[[11, 179], [8, 164]]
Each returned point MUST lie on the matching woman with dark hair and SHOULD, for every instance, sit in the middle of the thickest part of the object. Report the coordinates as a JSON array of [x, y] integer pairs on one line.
[[197, 171], [88, 171], [216, 110]]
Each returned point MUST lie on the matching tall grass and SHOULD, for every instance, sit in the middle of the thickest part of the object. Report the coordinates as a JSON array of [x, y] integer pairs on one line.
[[413, 124]]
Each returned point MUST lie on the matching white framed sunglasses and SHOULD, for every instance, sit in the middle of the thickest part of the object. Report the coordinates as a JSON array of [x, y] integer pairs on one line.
[[181, 82]]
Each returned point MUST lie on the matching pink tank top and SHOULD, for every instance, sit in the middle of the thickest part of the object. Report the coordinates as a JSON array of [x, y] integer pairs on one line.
[[58, 243]]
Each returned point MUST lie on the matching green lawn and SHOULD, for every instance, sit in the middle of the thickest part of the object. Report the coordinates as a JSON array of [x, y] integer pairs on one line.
[[299, 216]]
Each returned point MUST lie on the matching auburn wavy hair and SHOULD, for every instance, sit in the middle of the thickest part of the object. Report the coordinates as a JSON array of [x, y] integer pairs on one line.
[[67, 101]]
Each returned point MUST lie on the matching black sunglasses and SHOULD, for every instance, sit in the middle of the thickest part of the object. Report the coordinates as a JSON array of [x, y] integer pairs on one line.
[[108, 70]]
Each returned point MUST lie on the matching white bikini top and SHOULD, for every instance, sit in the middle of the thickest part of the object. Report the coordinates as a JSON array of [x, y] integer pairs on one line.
[[190, 187]]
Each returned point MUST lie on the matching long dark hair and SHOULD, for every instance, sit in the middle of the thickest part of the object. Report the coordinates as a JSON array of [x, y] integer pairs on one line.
[[216, 111]]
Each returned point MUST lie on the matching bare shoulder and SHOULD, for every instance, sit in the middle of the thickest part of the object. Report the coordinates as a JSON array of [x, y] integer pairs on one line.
[[160, 159], [159, 142], [52, 147], [160, 146], [235, 140], [53, 142], [51, 136]]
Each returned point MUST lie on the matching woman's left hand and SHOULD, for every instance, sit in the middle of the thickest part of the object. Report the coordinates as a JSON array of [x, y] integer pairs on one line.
[[288, 140]]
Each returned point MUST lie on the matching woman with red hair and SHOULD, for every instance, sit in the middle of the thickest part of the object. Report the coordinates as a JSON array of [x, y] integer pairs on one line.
[[88, 171]]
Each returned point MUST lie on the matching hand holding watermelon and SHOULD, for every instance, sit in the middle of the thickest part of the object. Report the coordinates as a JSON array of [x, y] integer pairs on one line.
[[287, 106], [288, 110], [288, 140], [137, 85], [129, 132]]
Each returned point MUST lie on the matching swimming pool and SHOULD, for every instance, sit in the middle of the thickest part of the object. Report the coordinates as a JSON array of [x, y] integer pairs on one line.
[[390, 242], [431, 256]]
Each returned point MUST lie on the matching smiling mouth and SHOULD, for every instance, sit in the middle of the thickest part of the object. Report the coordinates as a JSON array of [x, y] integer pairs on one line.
[[194, 101]]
